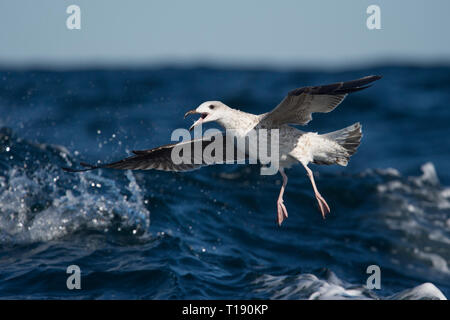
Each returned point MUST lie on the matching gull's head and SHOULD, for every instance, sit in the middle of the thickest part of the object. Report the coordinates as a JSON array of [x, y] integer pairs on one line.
[[209, 111]]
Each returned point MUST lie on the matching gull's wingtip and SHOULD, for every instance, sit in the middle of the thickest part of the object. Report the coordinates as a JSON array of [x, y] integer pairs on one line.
[[374, 77], [84, 164], [65, 169], [87, 165]]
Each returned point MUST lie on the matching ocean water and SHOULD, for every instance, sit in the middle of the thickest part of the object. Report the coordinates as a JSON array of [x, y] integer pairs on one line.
[[212, 233]]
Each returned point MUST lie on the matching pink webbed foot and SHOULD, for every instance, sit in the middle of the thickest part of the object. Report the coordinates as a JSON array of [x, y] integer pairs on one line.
[[323, 205], [282, 212]]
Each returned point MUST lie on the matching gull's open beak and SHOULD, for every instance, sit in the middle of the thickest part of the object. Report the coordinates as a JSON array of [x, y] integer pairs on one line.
[[189, 113], [200, 120]]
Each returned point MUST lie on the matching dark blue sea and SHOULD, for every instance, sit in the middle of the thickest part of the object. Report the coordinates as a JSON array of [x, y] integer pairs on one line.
[[212, 233]]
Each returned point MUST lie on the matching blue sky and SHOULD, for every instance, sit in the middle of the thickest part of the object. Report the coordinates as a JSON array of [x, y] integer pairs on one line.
[[320, 33]]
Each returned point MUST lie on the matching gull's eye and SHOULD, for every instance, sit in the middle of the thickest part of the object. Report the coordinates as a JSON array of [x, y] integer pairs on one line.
[[211, 106]]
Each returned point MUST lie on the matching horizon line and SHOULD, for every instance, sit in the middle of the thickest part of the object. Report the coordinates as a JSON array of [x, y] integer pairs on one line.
[[329, 66]]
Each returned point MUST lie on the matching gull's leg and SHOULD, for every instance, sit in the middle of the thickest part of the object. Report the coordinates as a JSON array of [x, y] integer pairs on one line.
[[282, 212], [324, 208]]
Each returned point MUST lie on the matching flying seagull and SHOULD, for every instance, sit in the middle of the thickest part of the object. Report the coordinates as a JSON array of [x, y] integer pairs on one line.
[[295, 146]]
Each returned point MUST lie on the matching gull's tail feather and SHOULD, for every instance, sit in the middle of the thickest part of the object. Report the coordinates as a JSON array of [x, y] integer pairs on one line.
[[348, 139]]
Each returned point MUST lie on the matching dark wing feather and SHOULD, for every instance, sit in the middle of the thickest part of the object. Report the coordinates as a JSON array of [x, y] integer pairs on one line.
[[299, 104], [160, 158]]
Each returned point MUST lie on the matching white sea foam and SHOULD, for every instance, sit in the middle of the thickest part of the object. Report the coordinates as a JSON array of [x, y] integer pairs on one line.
[[310, 287], [426, 291], [34, 208], [417, 208]]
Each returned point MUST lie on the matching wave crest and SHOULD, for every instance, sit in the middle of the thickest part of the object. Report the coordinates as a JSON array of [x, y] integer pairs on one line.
[[39, 202]]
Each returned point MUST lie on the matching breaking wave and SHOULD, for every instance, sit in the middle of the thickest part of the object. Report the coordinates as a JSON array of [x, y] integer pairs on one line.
[[309, 286], [38, 202]]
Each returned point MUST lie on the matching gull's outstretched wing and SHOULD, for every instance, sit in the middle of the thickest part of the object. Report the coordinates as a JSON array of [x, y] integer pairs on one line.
[[299, 104], [183, 156]]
